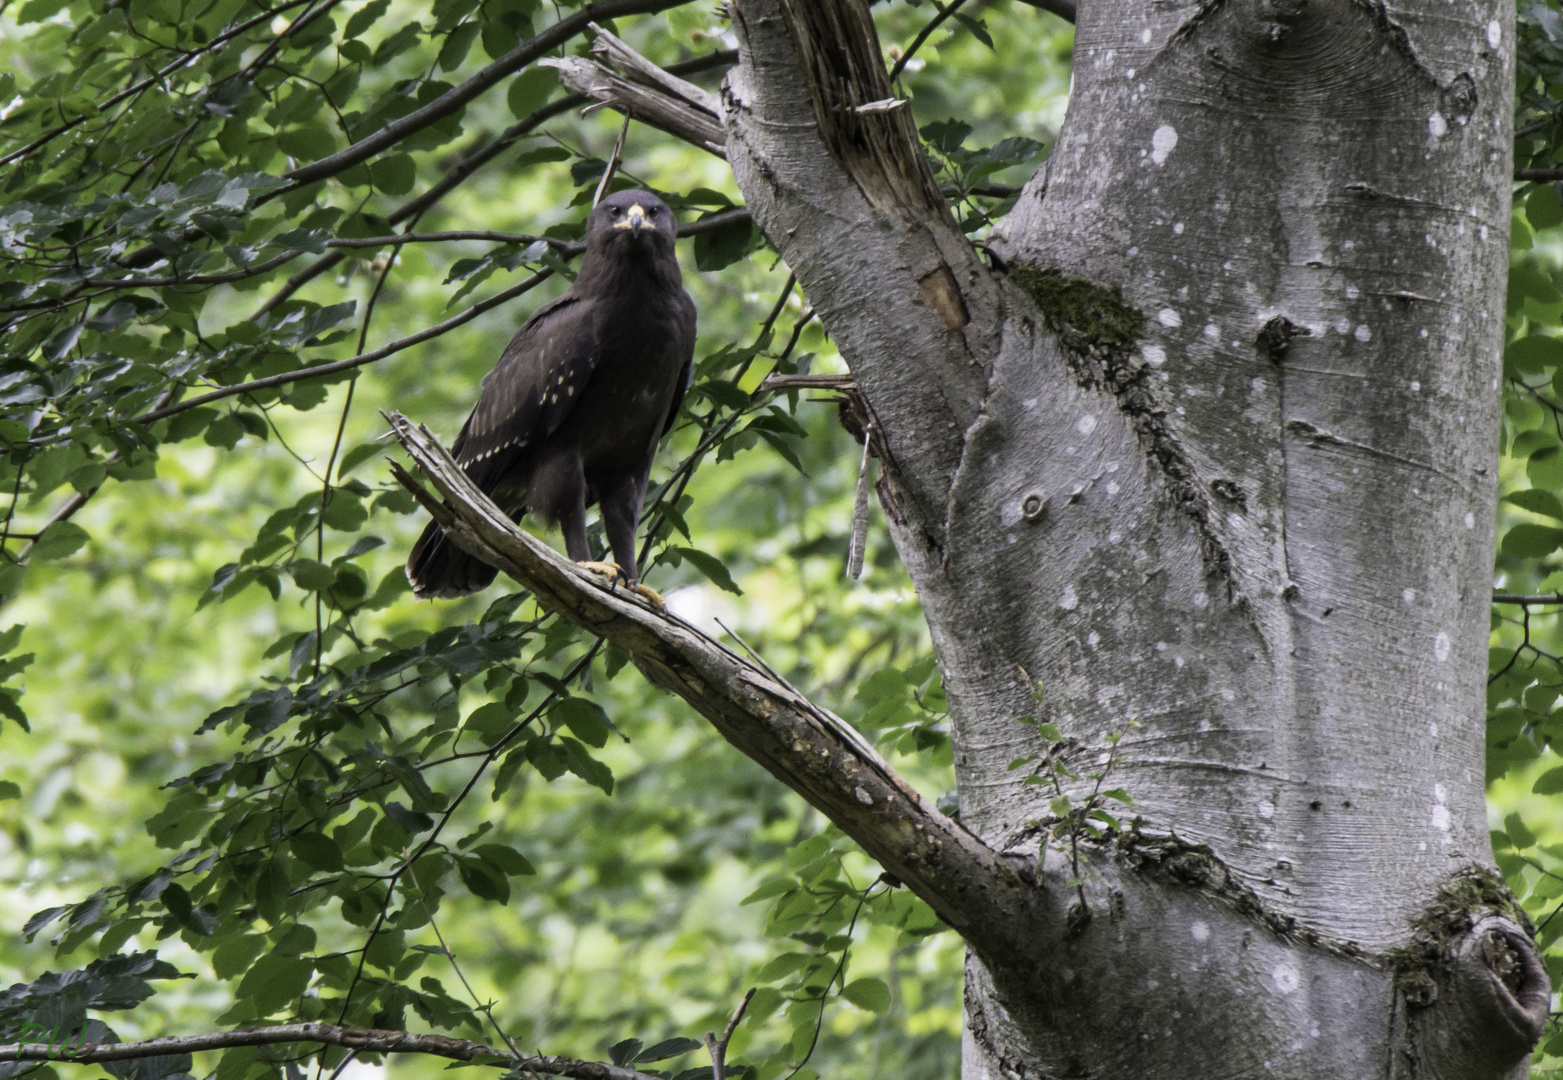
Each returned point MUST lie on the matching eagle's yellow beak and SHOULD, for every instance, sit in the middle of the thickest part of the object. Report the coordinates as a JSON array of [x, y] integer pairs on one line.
[[635, 221]]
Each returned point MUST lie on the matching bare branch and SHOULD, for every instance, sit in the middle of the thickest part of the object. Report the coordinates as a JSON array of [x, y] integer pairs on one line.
[[651, 105], [353, 361], [1527, 599], [807, 382], [457, 96], [717, 1048], [471, 162], [810, 750], [360, 1040]]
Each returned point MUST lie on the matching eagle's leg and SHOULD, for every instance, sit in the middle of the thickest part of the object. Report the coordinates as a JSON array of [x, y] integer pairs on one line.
[[620, 505]]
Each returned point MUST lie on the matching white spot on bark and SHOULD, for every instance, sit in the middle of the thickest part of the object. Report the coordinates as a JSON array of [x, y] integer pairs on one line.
[[1114, 536], [1169, 318], [1494, 34], [1266, 808], [1201, 931], [1342, 325], [1352, 292], [1212, 331], [1112, 487], [1286, 978], [1415, 386], [1437, 125], [1362, 333], [1201, 601], [1470, 521], [1441, 818], [1086, 424], [1093, 639], [1163, 140], [1408, 595], [1432, 730], [1441, 647], [1228, 694], [862, 796], [1145, 35], [1177, 229], [1070, 600], [1154, 355]]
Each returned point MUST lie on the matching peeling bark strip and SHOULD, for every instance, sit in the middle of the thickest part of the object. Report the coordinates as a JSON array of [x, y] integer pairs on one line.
[[363, 1040], [845, 75], [974, 889], [645, 92]]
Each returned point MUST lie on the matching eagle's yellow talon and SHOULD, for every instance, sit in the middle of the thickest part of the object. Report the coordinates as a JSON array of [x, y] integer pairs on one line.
[[611, 570], [615, 575]]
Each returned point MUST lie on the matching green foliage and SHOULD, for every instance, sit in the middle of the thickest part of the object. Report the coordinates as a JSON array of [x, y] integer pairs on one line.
[[251, 753], [1524, 726]]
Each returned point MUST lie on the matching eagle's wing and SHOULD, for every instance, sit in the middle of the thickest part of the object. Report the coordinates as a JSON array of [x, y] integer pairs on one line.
[[686, 349], [532, 389]]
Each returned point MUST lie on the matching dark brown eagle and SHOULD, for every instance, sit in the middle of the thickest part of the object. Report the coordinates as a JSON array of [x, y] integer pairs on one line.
[[572, 413]]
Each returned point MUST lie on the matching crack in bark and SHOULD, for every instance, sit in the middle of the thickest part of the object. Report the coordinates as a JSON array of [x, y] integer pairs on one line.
[[1098, 330], [1197, 867]]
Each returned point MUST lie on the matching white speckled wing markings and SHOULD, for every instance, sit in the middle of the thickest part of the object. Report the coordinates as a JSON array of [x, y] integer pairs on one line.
[[536, 383]]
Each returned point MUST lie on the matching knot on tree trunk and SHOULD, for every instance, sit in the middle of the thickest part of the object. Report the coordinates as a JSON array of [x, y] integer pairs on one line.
[[1501, 973]]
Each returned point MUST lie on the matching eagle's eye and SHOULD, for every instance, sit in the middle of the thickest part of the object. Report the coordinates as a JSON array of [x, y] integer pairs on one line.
[[614, 211]]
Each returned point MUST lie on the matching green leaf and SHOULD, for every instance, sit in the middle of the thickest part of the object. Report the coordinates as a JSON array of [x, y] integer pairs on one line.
[[1527, 541], [394, 175], [506, 858], [1537, 502], [721, 248], [312, 575], [306, 142], [582, 764], [529, 90], [1542, 207], [782, 966], [357, 456], [61, 539], [8, 790], [871, 994], [235, 955], [773, 887], [482, 880], [457, 43], [492, 721], [1549, 782], [667, 1048], [1521, 836], [275, 981], [365, 17], [710, 566], [584, 718], [316, 850]]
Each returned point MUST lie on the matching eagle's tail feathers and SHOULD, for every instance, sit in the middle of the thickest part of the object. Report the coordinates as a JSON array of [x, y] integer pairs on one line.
[[438, 568]]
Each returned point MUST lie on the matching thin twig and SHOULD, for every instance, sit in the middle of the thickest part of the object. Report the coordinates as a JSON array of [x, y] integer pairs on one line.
[[917, 42], [486, 1010], [362, 1040], [718, 1047], [613, 162]]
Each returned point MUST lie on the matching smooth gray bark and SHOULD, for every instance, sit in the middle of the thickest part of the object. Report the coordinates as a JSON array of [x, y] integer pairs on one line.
[[1261, 531]]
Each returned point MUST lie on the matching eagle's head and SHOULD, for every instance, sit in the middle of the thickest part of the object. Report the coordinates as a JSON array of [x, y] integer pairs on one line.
[[631, 220]]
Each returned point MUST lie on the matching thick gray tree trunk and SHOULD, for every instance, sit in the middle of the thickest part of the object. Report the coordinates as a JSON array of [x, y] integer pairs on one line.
[[1212, 452]]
